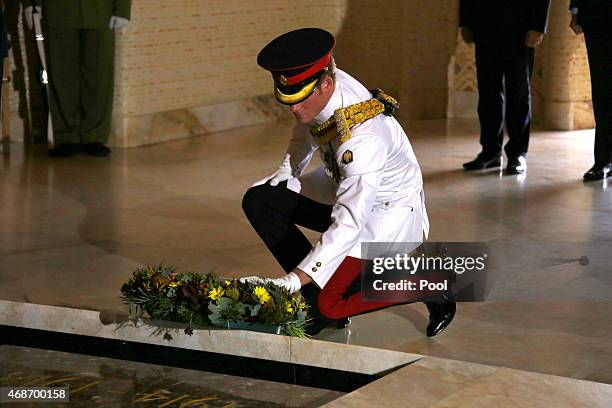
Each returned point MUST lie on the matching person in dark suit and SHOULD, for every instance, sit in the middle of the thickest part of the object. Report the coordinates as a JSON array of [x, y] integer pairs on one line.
[[594, 18], [505, 33]]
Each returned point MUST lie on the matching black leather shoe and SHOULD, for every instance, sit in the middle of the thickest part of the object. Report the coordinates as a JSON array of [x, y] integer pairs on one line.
[[64, 150], [481, 162], [96, 149], [441, 314], [315, 326], [319, 323], [516, 165], [598, 172]]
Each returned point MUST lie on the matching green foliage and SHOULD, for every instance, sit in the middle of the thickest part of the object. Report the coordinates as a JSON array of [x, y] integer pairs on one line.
[[233, 294], [296, 328], [225, 310]]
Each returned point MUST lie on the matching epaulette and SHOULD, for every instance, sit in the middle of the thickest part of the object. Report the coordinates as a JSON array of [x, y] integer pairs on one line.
[[344, 119], [391, 104]]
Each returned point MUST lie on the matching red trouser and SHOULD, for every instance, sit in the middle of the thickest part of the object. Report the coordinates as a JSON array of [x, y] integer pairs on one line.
[[332, 301]]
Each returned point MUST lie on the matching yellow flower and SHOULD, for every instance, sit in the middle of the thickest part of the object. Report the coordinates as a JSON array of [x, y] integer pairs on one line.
[[216, 293], [173, 284], [288, 307], [302, 305], [227, 283], [262, 294]]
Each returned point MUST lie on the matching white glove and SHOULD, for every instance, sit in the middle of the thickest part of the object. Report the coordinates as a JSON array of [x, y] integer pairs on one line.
[[291, 282], [281, 174], [28, 11], [118, 23], [252, 279]]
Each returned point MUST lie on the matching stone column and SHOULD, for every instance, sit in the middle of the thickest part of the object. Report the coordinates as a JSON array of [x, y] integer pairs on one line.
[[563, 88]]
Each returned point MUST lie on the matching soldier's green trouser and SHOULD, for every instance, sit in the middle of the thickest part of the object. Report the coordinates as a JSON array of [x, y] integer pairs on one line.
[[81, 78]]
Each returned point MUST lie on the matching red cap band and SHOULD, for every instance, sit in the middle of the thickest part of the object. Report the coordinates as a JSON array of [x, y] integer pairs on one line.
[[318, 66]]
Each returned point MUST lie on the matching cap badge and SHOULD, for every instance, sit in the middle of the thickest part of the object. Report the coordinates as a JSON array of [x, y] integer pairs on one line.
[[283, 80], [347, 157]]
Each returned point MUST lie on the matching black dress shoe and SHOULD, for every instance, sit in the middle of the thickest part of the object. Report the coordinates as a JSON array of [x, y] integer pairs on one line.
[[64, 150], [516, 165], [319, 323], [598, 172], [482, 162], [316, 324], [96, 149], [441, 314]]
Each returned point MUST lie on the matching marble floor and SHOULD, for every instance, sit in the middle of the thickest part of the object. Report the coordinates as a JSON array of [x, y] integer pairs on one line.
[[107, 382], [72, 230]]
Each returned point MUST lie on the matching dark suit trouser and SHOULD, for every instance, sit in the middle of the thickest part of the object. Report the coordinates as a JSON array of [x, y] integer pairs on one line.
[[275, 213], [81, 78], [599, 47], [504, 88]]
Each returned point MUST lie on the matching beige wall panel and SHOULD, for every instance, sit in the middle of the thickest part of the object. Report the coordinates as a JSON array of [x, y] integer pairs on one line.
[[370, 43], [429, 43], [187, 53]]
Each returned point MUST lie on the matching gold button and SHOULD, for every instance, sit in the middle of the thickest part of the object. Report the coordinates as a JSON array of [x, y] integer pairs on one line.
[[318, 263], [314, 269]]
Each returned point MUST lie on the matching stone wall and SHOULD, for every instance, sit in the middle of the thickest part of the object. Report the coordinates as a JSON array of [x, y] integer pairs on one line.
[[188, 67], [403, 47], [177, 62]]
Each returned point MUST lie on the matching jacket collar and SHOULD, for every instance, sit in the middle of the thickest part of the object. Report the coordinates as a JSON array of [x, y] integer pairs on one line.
[[335, 102]]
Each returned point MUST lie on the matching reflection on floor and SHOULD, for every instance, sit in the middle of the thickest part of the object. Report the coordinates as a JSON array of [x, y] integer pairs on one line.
[[105, 382], [72, 231]]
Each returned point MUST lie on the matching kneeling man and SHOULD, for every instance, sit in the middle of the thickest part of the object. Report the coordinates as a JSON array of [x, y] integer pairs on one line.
[[370, 188]]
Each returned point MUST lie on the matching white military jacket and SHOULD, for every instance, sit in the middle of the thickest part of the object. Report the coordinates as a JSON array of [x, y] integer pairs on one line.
[[379, 197]]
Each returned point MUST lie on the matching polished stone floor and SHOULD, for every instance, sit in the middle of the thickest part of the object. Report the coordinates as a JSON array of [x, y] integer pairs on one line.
[[72, 230], [106, 382]]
